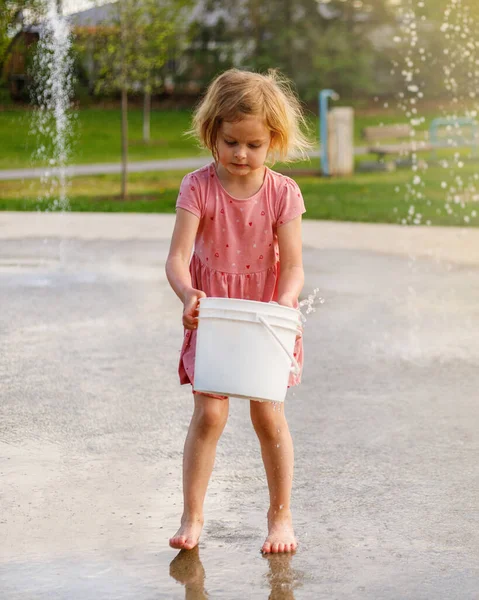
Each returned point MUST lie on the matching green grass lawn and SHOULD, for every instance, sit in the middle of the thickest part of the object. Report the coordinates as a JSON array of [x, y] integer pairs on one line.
[[97, 134], [370, 197], [366, 197], [97, 137]]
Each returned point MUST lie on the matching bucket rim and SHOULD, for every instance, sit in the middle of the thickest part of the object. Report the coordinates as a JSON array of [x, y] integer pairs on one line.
[[254, 302]]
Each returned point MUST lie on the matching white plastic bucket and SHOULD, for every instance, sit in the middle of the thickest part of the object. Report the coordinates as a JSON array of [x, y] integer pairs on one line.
[[245, 348]]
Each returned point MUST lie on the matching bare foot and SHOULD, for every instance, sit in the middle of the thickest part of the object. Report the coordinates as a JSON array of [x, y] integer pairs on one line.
[[188, 535], [280, 533]]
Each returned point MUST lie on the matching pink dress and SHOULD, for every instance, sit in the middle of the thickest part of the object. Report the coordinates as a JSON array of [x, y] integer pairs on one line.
[[236, 252]]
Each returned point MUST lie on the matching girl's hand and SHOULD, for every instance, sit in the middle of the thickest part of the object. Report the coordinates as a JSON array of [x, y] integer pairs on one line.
[[191, 301], [288, 300], [291, 301]]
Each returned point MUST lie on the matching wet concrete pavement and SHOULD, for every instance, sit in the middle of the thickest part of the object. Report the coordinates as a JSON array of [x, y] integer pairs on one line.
[[92, 421]]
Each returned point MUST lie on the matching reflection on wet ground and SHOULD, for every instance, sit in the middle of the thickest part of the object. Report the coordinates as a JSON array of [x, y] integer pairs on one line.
[[92, 424], [186, 568]]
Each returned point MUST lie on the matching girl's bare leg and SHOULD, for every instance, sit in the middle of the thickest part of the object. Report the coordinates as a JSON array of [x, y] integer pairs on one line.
[[207, 424], [270, 424]]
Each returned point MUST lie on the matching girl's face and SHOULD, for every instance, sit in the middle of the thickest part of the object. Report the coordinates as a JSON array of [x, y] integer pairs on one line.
[[243, 145]]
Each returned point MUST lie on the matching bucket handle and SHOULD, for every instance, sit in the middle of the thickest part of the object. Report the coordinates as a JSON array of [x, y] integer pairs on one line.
[[295, 369]]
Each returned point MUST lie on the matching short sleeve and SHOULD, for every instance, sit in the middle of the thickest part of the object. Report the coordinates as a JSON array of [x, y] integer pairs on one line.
[[189, 196], [291, 203]]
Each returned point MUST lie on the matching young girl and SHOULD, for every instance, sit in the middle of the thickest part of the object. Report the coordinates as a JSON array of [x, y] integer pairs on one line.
[[242, 218]]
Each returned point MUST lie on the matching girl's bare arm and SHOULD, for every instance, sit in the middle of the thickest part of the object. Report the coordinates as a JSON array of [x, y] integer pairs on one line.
[[291, 279], [177, 265]]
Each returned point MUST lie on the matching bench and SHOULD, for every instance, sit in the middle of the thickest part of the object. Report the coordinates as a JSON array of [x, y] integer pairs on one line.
[[384, 140], [399, 139]]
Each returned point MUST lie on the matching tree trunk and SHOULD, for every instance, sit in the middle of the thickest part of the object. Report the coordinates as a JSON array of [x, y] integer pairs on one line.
[[124, 143], [124, 106], [146, 117], [288, 18], [254, 15]]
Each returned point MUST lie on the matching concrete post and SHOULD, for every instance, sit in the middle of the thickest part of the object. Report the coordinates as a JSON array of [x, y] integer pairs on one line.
[[341, 141]]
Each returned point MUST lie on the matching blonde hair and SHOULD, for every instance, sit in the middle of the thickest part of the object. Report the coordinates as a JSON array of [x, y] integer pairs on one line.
[[235, 93]]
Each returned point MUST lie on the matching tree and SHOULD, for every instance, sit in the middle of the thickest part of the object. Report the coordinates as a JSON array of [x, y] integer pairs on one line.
[[14, 14], [316, 44], [437, 49], [158, 27], [211, 45], [130, 53]]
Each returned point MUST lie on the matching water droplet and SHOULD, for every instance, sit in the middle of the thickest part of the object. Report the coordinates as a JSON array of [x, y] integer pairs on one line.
[[309, 303]]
